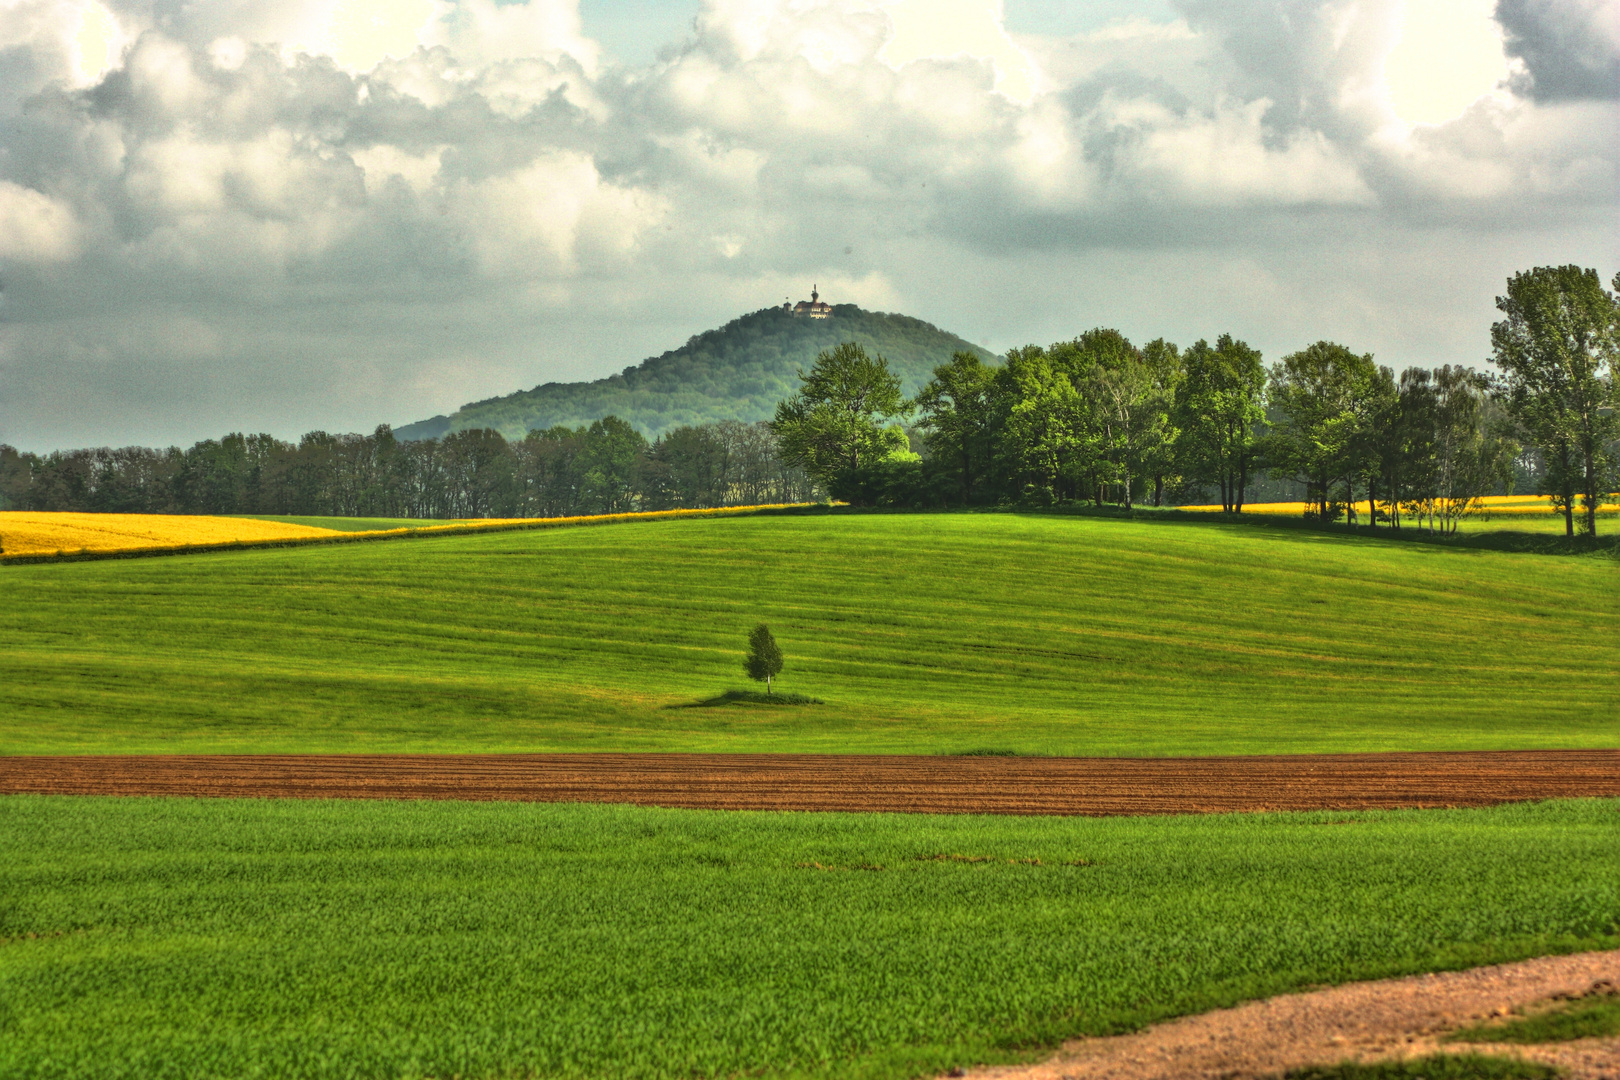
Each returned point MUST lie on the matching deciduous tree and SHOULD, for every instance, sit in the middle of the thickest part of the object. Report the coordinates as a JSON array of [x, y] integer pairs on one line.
[[1129, 411], [610, 456], [1166, 373], [836, 424], [764, 660], [1557, 351], [1220, 409], [958, 422], [1322, 400], [1045, 430]]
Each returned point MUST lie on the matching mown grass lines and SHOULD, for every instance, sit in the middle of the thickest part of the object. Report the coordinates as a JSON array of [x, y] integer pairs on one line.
[[1045, 634]]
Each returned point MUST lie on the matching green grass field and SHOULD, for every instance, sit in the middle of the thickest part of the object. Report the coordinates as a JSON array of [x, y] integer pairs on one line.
[[179, 938], [1433, 1067], [1593, 1017], [921, 633], [1540, 524]]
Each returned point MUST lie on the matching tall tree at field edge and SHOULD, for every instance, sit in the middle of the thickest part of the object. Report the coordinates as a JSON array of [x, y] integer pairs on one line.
[[1557, 350], [834, 426]]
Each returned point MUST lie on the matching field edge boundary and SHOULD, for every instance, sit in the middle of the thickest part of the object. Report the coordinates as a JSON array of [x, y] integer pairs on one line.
[[424, 532]]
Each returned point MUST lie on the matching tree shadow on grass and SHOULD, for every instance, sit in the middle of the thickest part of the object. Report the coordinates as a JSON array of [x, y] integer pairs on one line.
[[747, 697], [989, 751], [1306, 531], [1506, 540]]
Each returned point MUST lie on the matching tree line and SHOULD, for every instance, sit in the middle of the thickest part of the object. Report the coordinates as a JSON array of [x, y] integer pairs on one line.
[[1095, 419], [606, 467], [1098, 419]]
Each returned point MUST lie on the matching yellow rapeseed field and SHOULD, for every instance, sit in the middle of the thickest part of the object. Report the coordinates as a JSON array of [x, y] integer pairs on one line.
[[39, 533], [1492, 506], [1293, 509], [1497, 506], [28, 533]]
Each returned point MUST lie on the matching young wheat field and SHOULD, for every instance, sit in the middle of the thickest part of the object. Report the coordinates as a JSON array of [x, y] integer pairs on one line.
[[158, 939]]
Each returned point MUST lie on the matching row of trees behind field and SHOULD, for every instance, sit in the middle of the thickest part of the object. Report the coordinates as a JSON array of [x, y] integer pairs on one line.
[[1095, 419], [606, 467], [1098, 419]]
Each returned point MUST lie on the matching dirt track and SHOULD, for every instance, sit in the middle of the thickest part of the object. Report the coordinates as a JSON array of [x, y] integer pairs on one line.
[[1388, 1020], [1095, 786]]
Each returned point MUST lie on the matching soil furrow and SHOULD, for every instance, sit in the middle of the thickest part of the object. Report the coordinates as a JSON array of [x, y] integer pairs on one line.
[[903, 784]]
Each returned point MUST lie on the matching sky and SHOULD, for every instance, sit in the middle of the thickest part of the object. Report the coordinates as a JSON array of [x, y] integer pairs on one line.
[[296, 215]]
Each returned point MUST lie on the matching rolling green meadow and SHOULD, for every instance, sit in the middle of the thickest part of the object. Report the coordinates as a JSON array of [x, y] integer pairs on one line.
[[160, 938], [934, 633], [259, 938]]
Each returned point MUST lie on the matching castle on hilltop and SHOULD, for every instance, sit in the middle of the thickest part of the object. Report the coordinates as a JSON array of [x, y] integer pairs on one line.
[[814, 307]]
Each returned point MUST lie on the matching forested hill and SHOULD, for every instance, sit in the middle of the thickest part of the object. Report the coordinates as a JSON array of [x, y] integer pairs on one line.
[[738, 372]]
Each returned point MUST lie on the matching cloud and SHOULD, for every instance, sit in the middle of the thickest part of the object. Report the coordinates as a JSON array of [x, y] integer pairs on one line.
[[359, 34], [1570, 48], [1450, 54], [944, 29], [71, 42], [35, 228], [1227, 158], [484, 32], [336, 214], [1297, 54], [555, 217]]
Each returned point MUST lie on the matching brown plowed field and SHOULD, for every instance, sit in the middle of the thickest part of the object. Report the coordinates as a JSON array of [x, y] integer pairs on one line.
[[903, 784]]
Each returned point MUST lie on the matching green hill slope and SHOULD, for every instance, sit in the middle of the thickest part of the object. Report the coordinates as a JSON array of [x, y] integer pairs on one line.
[[738, 372], [921, 633]]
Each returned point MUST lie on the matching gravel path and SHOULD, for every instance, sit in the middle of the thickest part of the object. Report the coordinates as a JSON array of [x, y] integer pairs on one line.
[[893, 783], [1370, 1021]]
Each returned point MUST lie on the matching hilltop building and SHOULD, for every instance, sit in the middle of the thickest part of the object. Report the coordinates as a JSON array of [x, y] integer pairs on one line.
[[814, 307]]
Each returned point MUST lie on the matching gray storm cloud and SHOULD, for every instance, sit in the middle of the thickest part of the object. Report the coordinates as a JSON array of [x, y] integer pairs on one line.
[[1570, 48], [242, 220]]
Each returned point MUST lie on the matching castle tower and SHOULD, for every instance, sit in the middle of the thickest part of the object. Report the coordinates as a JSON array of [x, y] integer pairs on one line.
[[815, 308]]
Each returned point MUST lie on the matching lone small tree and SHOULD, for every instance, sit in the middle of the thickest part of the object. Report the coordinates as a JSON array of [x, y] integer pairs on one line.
[[764, 660]]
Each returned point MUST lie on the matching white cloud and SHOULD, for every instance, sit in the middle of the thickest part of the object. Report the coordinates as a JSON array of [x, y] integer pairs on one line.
[[161, 70], [383, 163], [553, 216], [360, 34], [228, 53], [825, 33], [75, 41], [1448, 56], [484, 32], [945, 29], [1227, 159], [1046, 157], [1171, 55], [1498, 154], [98, 43], [461, 196], [357, 35], [35, 228]]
